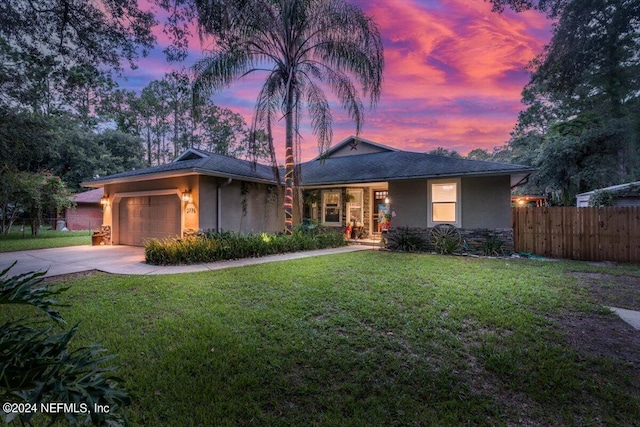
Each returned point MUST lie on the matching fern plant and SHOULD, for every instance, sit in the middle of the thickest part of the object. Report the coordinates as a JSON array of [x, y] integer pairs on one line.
[[37, 366]]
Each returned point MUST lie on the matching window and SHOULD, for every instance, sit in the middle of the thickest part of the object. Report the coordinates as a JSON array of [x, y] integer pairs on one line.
[[444, 207], [355, 207], [331, 208]]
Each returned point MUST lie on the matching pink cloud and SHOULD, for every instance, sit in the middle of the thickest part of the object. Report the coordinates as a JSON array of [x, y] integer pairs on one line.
[[453, 77]]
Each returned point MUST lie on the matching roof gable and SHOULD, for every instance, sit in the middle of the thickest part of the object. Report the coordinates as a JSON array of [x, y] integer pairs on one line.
[[192, 154], [352, 146]]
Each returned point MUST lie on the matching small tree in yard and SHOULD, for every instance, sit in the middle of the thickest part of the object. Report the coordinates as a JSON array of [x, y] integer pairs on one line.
[[10, 200], [36, 365], [33, 195]]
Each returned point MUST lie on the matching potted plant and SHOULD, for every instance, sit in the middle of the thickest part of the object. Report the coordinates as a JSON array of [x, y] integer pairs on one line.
[[96, 238]]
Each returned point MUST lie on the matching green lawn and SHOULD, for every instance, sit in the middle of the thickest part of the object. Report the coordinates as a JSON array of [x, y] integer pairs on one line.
[[367, 338], [18, 241]]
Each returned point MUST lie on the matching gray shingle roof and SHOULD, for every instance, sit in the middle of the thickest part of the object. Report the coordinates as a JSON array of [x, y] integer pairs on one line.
[[398, 165], [375, 167], [214, 164]]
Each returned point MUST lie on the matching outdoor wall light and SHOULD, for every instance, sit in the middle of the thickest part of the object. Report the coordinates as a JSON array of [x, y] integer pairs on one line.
[[104, 200], [386, 200], [186, 196]]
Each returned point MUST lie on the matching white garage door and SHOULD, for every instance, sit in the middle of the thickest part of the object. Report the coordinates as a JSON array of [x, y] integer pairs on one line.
[[142, 218]]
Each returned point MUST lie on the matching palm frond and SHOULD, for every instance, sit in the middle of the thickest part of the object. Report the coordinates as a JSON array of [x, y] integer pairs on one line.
[[345, 91], [303, 45], [219, 70], [264, 114], [320, 114]]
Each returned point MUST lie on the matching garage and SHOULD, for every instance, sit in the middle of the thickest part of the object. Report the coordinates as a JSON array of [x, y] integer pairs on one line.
[[143, 218]]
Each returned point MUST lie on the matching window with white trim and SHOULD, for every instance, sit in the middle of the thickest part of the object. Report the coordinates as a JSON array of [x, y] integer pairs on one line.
[[355, 206], [332, 208], [444, 202]]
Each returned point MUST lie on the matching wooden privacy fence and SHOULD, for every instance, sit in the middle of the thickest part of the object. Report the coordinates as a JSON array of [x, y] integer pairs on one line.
[[592, 234]]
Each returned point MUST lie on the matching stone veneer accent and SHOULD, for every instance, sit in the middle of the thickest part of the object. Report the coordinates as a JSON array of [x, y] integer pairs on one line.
[[105, 231], [473, 237], [192, 233]]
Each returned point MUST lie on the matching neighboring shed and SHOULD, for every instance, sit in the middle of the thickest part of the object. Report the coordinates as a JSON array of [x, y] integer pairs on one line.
[[617, 195], [87, 214]]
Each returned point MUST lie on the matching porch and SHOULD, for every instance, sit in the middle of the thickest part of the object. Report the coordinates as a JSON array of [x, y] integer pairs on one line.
[[362, 212]]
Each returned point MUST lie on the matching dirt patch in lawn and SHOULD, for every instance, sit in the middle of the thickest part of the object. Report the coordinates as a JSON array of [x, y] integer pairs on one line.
[[604, 334], [63, 278]]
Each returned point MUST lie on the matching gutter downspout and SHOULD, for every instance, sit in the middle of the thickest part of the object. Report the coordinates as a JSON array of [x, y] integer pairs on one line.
[[523, 181], [219, 204]]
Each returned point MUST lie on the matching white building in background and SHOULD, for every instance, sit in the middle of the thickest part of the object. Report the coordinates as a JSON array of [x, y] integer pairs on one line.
[[622, 195]]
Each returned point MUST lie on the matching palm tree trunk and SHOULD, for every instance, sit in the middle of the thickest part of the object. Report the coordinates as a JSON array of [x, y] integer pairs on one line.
[[289, 165]]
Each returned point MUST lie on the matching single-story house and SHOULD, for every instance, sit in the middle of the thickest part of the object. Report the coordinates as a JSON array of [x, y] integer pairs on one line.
[[618, 195], [87, 214], [358, 182]]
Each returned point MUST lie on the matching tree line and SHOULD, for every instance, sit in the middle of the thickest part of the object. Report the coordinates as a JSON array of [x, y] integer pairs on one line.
[[61, 111], [63, 117], [581, 124]]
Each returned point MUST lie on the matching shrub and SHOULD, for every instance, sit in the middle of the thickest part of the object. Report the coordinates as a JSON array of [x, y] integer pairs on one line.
[[36, 365], [492, 246], [212, 246], [445, 239], [406, 240]]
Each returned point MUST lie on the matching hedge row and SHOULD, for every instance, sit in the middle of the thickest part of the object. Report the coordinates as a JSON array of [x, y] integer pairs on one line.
[[209, 247]]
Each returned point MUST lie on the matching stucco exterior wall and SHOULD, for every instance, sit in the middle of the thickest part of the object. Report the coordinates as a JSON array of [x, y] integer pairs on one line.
[[486, 202], [485, 209], [208, 201], [262, 208], [409, 202]]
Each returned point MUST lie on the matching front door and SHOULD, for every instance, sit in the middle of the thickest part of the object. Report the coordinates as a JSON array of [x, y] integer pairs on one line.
[[380, 207]]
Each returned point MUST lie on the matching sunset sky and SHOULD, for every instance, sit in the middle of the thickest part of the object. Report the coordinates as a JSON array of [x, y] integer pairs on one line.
[[453, 76]]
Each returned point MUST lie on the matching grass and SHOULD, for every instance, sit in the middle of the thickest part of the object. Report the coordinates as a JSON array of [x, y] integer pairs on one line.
[[366, 338], [16, 240]]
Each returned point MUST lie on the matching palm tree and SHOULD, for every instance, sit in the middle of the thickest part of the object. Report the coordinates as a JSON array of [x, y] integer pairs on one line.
[[303, 47]]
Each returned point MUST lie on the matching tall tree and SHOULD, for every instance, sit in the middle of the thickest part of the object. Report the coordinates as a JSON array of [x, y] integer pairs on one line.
[[447, 152], [121, 106], [43, 41], [223, 131], [178, 89], [552, 7], [479, 154], [580, 128], [303, 47], [65, 147]]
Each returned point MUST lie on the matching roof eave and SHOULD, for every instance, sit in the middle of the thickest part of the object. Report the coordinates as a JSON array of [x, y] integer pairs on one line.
[[522, 172], [173, 174]]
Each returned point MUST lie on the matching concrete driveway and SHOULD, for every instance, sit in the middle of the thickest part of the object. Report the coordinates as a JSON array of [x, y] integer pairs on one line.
[[74, 259], [127, 260]]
